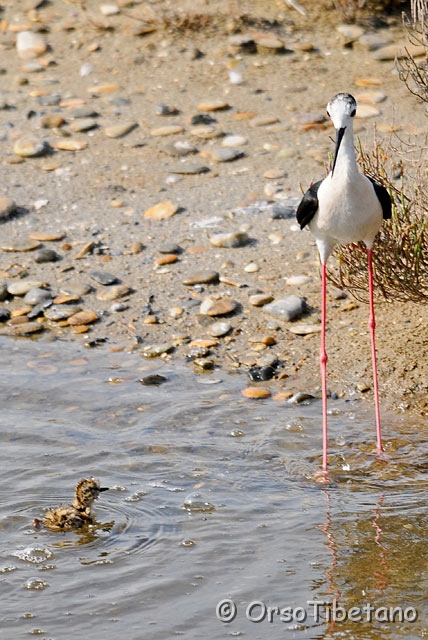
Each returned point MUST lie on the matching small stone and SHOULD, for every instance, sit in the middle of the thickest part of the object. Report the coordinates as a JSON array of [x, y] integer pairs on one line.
[[373, 41], [136, 247], [171, 130], [115, 292], [303, 329], [76, 288], [36, 296], [52, 121], [87, 247], [103, 277], [156, 350], [261, 374], [256, 392], [398, 50], [153, 379], [100, 89], [21, 287], [206, 364], [24, 329], [167, 258], [213, 105], [7, 205], [83, 317], [165, 110], [288, 308], [109, 9], [29, 147], [298, 280], [120, 130], [263, 120], [206, 132], [260, 299], [234, 141], [205, 276], [69, 144], [274, 174], [3, 292], [162, 210], [83, 124], [229, 240], [219, 329], [371, 97], [4, 314], [58, 312], [45, 255], [20, 245], [367, 111], [189, 169], [350, 32], [251, 267], [180, 148], [43, 236], [226, 155], [30, 45], [222, 307]]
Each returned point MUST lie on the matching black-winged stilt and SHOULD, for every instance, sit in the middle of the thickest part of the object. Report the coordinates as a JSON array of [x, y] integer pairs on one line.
[[345, 207]]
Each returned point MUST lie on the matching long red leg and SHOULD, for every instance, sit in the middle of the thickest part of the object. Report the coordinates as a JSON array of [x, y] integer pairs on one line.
[[323, 364], [372, 327]]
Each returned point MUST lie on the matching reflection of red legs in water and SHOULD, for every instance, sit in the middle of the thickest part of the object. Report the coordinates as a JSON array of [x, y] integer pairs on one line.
[[379, 569], [381, 575]]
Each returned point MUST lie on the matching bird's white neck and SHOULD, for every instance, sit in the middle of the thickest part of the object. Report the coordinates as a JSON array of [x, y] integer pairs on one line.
[[346, 163]]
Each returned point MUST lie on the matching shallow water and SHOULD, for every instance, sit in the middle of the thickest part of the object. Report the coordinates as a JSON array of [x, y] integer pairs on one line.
[[258, 528]]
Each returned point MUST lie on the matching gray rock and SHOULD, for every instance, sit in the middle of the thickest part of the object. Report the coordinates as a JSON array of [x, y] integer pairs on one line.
[[288, 308], [201, 277], [4, 314], [3, 292], [103, 277], [45, 255], [219, 329], [59, 312], [229, 240], [38, 296]]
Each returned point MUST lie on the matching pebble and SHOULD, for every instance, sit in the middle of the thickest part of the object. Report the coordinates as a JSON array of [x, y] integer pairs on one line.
[[213, 105], [37, 296], [21, 245], [304, 329], [4, 314], [118, 307], [171, 130], [298, 280], [256, 392], [21, 287], [219, 329], [7, 205], [115, 292], [3, 292], [180, 148], [206, 132], [102, 89], [261, 374], [103, 277], [76, 288], [153, 379], [30, 45], [371, 97], [119, 130], [156, 350], [373, 41], [206, 364], [205, 276], [367, 111], [260, 299], [166, 258], [398, 50], [109, 9], [263, 121], [162, 210], [69, 144], [228, 154], [59, 312], [350, 32], [234, 141], [26, 328], [251, 267], [229, 240], [83, 124], [288, 308], [43, 236], [221, 307], [188, 169], [29, 147], [165, 110], [83, 317], [45, 255]]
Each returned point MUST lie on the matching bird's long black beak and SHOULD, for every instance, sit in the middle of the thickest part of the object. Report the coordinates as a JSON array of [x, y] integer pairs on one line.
[[103, 489], [339, 135]]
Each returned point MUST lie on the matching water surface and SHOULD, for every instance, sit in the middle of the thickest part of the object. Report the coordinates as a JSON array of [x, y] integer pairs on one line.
[[212, 497]]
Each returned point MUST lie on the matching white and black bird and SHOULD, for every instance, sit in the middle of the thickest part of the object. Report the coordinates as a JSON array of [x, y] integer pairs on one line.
[[346, 207]]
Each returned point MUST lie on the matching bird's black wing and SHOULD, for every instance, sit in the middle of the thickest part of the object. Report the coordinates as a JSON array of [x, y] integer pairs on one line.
[[308, 205], [383, 197]]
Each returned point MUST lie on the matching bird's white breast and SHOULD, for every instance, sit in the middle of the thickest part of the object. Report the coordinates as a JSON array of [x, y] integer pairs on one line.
[[348, 211]]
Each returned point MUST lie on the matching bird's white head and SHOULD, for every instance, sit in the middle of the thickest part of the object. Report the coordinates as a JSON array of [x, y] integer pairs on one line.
[[341, 109]]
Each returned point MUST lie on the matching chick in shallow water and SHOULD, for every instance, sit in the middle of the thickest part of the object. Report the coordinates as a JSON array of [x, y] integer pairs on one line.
[[78, 514]]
